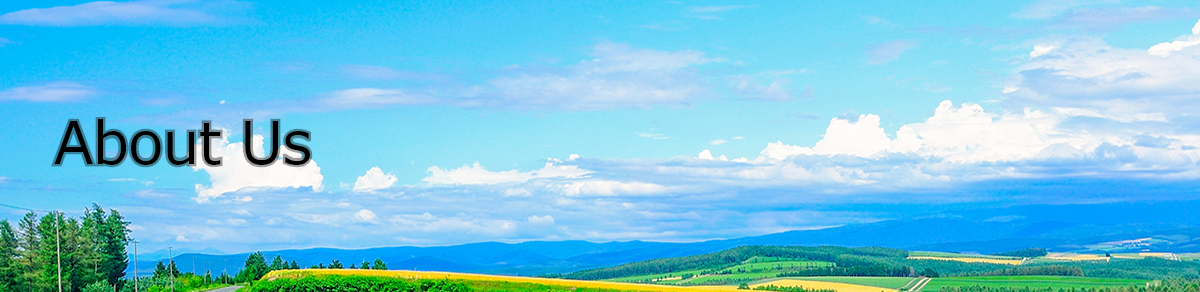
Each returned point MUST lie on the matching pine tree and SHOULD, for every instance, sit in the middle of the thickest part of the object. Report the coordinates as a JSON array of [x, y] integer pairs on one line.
[[172, 270], [9, 268], [255, 268], [56, 234], [116, 234], [336, 264], [278, 264], [365, 265], [160, 271], [295, 266], [29, 244]]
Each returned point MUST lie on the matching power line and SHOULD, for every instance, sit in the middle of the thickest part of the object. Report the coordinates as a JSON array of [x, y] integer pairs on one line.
[[23, 208]]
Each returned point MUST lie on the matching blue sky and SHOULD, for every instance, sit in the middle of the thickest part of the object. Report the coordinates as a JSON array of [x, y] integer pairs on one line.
[[440, 123]]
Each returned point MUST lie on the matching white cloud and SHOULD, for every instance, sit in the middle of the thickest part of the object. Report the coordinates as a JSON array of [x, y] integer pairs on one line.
[[365, 215], [887, 51], [612, 188], [706, 155], [652, 136], [477, 175], [1040, 50], [145, 12], [1165, 49], [374, 179], [52, 92], [777, 87], [517, 193], [372, 97], [5, 42], [1087, 73], [541, 220], [717, 142], [236, 173]]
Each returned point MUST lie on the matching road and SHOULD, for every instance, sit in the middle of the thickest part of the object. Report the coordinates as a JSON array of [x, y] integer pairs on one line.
[[226, 289]]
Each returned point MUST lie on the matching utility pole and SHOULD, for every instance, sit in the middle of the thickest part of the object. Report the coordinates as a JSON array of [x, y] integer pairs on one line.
[[135, 260], [58, 246], [171, 257]]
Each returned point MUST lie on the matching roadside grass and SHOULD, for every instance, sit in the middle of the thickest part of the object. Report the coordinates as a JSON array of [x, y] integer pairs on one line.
[[1054, 282]]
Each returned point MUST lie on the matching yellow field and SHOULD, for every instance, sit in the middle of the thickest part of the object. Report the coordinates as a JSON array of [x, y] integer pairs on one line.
[[840, 287], [478, 277], [970, 260]]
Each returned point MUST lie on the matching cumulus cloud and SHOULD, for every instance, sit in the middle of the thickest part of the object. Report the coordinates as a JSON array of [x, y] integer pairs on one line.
[[886, 52], [133, 13], [236, 173], [1165, 49], [52, 92], [374, 179], [366, 216]]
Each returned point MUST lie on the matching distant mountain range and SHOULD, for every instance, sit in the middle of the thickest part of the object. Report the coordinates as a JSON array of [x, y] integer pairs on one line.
[[1171, 226]]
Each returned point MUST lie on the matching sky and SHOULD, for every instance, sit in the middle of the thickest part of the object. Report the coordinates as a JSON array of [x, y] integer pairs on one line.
[[437, 123]]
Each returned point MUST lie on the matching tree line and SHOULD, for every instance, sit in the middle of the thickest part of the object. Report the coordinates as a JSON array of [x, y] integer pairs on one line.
[[256, 266], [92, 249]]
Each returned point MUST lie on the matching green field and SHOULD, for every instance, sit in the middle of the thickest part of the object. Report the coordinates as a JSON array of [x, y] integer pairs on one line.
[[751, 269], [651, 278], [885, 282], [777, 266], [1031, 281]]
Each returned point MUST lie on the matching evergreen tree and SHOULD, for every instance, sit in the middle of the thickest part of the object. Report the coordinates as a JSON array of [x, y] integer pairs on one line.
[[116, 234], [29, 244], [278, 264], [172, 270], [9, 268], [160, 271], [53, 231], [335, 264], [365, 265], [295, 266], [255, 268], [91, 256], [379, 265], [353, 267]]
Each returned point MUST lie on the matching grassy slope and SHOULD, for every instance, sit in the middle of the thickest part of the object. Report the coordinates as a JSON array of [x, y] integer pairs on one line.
[[957, 255], [1031, 281]]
